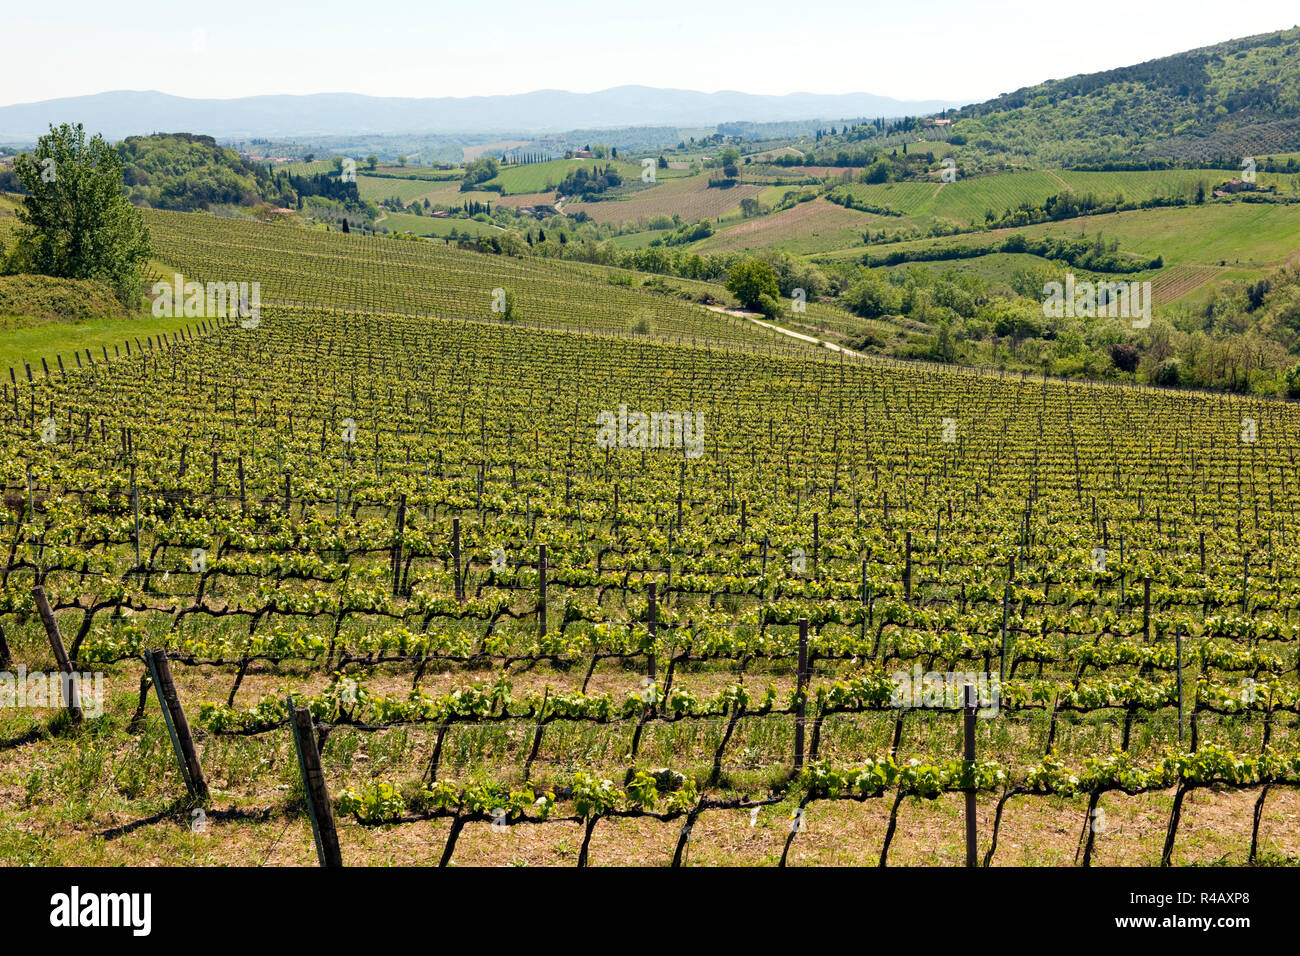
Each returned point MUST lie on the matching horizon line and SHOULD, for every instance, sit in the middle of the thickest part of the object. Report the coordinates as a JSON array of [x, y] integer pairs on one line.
[[478, 96]]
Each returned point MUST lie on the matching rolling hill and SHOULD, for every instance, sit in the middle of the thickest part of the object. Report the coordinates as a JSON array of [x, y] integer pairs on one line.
[[1233, 99]]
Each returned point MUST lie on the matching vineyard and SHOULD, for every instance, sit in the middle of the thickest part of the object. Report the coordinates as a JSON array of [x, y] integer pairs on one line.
[[1174, 283], [366, 273], [389, 545]]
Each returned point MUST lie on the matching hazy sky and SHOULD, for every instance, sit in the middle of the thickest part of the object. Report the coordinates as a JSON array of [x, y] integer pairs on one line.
[[945, 49]]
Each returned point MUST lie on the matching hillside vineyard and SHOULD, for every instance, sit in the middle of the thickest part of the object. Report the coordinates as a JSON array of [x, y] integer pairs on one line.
[[406, 523], [337, 272]]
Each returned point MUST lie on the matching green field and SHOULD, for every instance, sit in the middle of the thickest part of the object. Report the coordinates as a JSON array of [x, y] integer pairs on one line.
[[431, 226], [541, 177], [997, 268], [29, 340], [426, 173], [444, 193], [299, 168], [967, 200], [640, 240], [377, 188], [1250, 235]]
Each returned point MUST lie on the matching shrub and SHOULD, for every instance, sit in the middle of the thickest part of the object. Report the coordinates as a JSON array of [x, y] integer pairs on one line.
[[1125, 357], [1168, 374], [872, 296], [69, 300], [750, 280], [1293, 381]]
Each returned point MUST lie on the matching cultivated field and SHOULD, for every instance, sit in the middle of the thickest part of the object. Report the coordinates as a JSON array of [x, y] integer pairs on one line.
[[543, 177], [527, 199], [377, 188], [346, 512], [691, 198], [1221, 237], [331, 270], [809, 227], [434, 226]]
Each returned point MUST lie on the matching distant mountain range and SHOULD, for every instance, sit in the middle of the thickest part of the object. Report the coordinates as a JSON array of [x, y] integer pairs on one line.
[[127, 112]]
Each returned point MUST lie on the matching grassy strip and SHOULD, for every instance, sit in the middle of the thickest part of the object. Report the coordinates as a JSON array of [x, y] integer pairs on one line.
[[24, 339]]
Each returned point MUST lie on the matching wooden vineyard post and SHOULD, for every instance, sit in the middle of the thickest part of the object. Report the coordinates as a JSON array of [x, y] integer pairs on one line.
[[72, 695], [1146, 610], [968, 719], [1178, 651], [243, 495], [1245, 581], [816, 541], [866, 601], [801, 706], [651, 623], [178, 728], [397, 545], [1006, 612], [135, 521], [313, 785], [907, 571], [455, 558], [541, 590], [1123, 575]]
